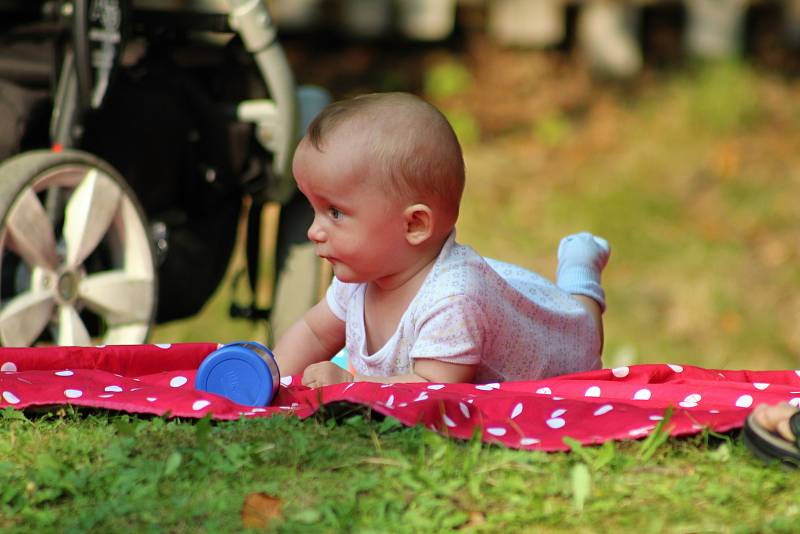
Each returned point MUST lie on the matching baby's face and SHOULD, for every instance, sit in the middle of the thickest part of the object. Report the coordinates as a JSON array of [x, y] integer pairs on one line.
[[357, 227]]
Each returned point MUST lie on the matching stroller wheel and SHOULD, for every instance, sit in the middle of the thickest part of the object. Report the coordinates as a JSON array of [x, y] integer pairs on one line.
[[77, 265]]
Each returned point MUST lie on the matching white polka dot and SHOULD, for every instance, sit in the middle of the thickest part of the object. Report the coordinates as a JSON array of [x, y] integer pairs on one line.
[[556, 422], [656, 417], [674, 367], [713, 411], [10, 397], [496, 431], [760, 385], [621, 372], [488, 387], [797, 372], [449, 422], [593, 391], [384, 386], [640, 431], [464, 409], [295, 405], [136, 389], [795, 402], [163, 345], [8, 367], [200, 404], [642, 394], [558, 398], [287, 380], [422, 396], [258, 410], [390, 401], [151, 399], [744, 401], [517, 410], [544, 391], [694, 397], [403, 404], [106, 396], [558, 413], [436, 386], [100, 346], [66, 372], [178, 381], [529, 441], [113, 389], [685, 404], [604, 409], [73, 393]]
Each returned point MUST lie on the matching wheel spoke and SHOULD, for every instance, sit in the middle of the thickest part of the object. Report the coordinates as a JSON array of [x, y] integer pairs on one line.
[[126, 334], [71, 330], [31, 232], [88, 215], [24, 317], [118, 297]]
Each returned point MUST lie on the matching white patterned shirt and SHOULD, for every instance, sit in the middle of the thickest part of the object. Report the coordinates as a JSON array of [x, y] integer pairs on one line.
[[512, 323]]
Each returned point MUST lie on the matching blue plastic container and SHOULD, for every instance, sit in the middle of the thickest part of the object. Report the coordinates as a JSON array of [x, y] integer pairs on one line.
[[244, 372]]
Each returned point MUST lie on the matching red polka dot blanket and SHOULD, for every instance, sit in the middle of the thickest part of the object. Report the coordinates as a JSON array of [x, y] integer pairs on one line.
[[592, 407]]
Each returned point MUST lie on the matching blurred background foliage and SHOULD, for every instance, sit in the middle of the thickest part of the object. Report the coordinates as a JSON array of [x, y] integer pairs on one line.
[[689, 167]]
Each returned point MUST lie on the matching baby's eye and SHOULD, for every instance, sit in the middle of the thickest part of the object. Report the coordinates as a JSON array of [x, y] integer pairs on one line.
[[335, 213]]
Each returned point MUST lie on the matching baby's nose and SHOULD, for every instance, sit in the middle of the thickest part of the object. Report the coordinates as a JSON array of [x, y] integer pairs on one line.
[[315, 232]]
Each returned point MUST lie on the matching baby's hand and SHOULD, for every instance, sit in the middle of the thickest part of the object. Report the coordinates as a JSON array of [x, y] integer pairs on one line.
[[321, 374]]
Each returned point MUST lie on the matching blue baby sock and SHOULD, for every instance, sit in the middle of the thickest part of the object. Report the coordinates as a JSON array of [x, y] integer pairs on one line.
[[581, 259]]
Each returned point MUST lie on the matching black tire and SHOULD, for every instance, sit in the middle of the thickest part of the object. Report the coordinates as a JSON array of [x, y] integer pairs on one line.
[[77, 265]]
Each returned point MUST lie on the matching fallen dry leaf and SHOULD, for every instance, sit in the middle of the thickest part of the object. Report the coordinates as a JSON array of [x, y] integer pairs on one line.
[[476, 518], [259, 509]]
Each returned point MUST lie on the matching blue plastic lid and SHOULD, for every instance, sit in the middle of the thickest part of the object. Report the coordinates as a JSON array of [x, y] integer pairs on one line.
[[243, 372]]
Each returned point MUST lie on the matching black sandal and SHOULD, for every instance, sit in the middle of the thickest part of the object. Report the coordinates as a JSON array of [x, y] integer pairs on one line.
[[769, 446]]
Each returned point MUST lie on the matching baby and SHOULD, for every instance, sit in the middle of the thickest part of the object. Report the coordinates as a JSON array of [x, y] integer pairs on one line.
[[384, 174]]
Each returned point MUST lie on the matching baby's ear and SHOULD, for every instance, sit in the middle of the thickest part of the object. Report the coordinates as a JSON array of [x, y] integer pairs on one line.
[[419, 223]]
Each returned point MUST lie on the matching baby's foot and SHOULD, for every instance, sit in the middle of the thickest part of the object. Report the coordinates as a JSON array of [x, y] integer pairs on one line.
[[581, 259], [583, 249]]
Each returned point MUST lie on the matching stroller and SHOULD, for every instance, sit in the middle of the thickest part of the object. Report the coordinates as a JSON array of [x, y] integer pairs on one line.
[[132, 133]]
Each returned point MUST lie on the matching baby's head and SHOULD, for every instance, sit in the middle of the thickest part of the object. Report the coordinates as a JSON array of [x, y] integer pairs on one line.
[[400, 141]]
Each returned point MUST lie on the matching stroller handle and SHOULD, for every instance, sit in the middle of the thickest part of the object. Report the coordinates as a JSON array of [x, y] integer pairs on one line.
[[252, 21]]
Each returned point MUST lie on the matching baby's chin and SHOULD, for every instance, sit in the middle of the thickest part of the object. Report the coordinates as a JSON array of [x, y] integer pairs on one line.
[[343, 274]]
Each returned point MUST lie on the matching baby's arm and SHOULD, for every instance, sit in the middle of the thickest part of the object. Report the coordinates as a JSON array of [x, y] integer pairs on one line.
[[315, 337], [425, 370], [428, 370], [433, 352], [581, 259]]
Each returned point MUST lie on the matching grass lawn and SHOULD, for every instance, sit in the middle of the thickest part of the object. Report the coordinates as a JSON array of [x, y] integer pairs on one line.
[[75, 472], [694, 178]]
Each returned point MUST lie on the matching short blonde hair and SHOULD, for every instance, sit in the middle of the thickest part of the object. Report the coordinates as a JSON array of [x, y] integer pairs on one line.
[[410, 140]]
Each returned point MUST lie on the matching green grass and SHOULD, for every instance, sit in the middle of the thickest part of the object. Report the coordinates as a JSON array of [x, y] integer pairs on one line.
[[693, 178], [82, 471]]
